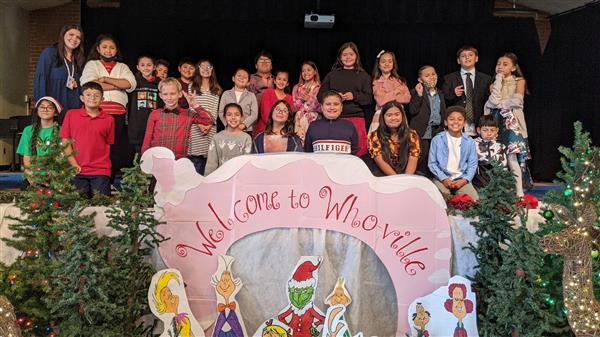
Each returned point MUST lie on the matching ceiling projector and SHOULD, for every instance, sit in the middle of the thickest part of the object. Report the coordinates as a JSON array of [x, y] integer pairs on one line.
[[318, 21]]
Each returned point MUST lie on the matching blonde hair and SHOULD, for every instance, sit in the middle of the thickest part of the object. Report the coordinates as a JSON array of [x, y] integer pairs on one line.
[[276, 329], [161, 284], [169, 81]]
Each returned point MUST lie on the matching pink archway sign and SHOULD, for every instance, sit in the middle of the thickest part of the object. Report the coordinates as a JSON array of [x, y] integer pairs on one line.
[[402, 218]]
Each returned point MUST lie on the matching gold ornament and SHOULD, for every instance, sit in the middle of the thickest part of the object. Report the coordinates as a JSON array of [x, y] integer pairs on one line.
[[574, 243], [8, 321]]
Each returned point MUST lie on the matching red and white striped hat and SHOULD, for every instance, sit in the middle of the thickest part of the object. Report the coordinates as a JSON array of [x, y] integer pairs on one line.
[[59, 106]]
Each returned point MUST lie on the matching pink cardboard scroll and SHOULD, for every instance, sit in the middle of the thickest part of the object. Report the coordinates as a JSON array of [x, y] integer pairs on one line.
[[402, 218]]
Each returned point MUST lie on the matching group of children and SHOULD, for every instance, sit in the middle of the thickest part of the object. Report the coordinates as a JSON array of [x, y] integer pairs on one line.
[[150, 109]]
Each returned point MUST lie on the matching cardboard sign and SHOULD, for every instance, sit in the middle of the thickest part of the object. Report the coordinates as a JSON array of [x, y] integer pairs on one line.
[[402, 218], [169, 303], [448, 311]]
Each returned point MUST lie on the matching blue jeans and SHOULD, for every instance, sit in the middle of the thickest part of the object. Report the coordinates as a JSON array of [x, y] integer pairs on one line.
[[87, 185]]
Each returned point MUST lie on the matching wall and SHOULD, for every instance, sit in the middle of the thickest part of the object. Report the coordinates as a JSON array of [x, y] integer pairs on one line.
[[13, 69], [44, 27]]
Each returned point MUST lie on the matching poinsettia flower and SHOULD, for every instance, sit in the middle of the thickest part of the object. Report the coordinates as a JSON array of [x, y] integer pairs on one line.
[[529, 201]]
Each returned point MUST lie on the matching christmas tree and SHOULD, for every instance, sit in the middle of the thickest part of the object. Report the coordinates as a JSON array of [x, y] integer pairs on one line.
[[26, 282], [132, 217], [79, 303], [579, 188], [510, 299]]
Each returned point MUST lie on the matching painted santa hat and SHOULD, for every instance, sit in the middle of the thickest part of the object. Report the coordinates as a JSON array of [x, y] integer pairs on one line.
[[51, 99], [303, 276]]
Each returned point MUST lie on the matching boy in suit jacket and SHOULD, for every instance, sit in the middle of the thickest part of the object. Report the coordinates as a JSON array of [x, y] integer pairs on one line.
[[425, 112], [468, 87]]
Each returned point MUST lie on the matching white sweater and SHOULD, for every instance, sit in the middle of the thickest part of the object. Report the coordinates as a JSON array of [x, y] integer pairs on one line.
[[94, 69]]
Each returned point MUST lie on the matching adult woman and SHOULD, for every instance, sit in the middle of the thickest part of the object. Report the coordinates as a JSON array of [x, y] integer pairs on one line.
[[59, 69]]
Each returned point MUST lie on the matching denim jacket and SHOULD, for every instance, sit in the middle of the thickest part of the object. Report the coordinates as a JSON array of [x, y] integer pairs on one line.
[[438, 157]]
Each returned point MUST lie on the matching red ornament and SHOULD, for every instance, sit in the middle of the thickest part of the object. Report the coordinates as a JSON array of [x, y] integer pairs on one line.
[[52, 334], [39, 191], [529, 201], [520, 273], [34, 205], [31, 252], [55, 204], [21, 320], [60, 231], [49, 192]]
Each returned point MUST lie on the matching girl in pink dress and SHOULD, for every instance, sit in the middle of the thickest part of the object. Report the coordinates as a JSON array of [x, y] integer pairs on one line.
[[305, 98]]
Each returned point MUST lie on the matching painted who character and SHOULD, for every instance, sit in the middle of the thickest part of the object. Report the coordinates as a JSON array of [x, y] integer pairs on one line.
[[459, 306], [167, 296], [229, 320]]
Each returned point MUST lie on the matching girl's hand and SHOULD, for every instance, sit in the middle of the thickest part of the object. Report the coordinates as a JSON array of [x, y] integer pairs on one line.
[[460, 183], [204, 129], [77, 168], [347, 96], [419, 89]]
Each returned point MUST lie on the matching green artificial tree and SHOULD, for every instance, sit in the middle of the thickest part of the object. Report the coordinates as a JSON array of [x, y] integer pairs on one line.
[[26, 281], [510, 300], [132, 217], [78, 301], [579, 184]]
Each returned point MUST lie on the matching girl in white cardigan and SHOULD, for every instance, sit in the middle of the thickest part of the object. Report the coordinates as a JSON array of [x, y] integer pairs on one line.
[[116, 79]]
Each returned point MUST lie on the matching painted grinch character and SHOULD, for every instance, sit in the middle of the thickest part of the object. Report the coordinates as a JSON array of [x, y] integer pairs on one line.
[[420, 320], [302, 316], [165, 301], [459, 306], [229, 322]]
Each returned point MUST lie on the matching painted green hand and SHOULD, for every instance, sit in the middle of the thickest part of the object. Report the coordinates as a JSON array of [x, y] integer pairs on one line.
[[300, 297]]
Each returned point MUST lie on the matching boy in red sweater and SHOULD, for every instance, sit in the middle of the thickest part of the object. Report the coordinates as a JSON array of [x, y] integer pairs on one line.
[[170, 127]]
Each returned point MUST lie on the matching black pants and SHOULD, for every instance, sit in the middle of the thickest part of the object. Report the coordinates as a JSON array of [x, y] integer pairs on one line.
[[87, 185], [121, 153]]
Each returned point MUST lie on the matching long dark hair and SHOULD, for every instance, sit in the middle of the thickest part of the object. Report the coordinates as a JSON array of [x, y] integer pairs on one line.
[[78, 54], [213, 84], [338, 65], [397, 160], [37, 125], [394, 74], [518, 72], [288, 126], [313, 65], [95, 55]]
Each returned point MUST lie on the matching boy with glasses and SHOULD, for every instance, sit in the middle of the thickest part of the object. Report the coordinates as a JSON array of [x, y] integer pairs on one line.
[[92, 133], [263, 78]]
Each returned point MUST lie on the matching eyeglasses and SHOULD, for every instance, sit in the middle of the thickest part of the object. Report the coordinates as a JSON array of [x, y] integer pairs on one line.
[[282, 110], [264, 61], [46, 108], [205, 67], [94, 96]]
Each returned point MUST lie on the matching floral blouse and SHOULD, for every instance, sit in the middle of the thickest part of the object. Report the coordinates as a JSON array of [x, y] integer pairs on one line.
[[414, 147]]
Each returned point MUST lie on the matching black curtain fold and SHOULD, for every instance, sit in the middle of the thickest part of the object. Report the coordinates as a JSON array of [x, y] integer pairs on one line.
[[568, 84]]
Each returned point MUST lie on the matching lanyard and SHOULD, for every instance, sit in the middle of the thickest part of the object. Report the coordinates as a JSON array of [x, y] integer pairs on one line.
[[70, 72]]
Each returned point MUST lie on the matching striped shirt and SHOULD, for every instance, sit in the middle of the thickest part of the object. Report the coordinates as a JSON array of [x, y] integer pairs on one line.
[[171, 129], [198, 142]]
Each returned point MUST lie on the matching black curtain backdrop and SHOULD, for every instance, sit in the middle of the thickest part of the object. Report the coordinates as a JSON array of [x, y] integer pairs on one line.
[[568, 84], [231, 32]]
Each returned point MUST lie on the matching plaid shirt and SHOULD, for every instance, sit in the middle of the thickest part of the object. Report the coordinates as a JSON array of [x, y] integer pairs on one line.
[[171, 128]]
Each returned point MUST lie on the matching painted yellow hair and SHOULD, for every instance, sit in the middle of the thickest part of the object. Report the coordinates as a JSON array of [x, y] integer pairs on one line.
[[276, 329], [162, 282]]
